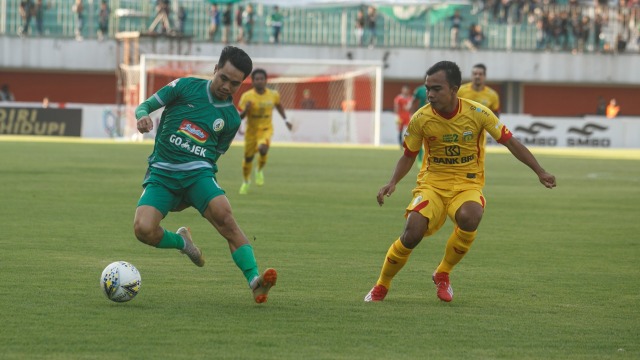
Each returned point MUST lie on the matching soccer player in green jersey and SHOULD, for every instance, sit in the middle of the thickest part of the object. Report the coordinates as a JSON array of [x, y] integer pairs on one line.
[[419, 100], [197, 126], [452, 130]]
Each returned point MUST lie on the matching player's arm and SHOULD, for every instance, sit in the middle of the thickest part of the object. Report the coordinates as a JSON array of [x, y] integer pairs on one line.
[[245, 107], [280, 109], [405, 163], [496, 107], [163, 97], [525, 156], [412, 145]]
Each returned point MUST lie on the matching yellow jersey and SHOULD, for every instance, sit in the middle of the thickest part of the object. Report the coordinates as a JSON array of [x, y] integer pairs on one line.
[[454, 144], [487, 96], [260, 114]]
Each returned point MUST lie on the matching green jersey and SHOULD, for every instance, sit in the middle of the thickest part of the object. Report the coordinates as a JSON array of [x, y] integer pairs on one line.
[[195, 128], [420, 94]]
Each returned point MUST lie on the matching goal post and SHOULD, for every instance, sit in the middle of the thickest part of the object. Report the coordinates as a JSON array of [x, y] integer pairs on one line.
[[328, 101]]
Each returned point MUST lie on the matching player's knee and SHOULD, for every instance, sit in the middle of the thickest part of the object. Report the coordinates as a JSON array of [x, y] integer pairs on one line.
[[468, 217], [248, 159], [410, 240], [143, 231]]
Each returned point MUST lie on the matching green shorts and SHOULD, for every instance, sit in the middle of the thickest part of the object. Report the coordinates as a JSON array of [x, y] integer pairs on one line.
[[165, 190]]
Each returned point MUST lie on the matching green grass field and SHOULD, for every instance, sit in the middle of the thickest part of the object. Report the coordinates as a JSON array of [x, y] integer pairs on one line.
[[553, 274]]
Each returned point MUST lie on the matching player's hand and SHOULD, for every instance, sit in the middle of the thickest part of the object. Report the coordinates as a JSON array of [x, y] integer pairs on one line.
[[247, 107], [145, 124], [289, 124], [386, 190], [547, 180]]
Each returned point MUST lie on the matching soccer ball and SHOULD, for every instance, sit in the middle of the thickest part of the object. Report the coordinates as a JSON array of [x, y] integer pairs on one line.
[[120, 281]]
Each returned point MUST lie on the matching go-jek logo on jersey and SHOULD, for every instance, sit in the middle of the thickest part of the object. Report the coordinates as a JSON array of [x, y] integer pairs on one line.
[[187, 145], [193, 131]]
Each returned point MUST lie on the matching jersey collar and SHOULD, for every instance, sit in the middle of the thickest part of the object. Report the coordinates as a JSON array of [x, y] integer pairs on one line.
[[215, 101], [450, 115]]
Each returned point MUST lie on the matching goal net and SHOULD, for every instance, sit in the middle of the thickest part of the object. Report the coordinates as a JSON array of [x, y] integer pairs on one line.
[[327, 101]]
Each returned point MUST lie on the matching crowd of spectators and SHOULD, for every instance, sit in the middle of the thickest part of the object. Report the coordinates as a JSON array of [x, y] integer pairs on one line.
[[570, 26], [559, 25]]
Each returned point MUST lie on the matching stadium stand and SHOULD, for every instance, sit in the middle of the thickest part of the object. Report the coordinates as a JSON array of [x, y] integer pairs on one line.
[[508, 25]]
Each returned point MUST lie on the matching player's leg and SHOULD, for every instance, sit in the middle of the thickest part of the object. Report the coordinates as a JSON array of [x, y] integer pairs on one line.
[[425, 205], [466, 209], [250, 146], [219, 215], [264, 142], [207, 196], [153, 206]]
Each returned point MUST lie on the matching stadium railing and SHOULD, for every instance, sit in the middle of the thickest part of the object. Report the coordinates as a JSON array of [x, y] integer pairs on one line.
[[505, 29]]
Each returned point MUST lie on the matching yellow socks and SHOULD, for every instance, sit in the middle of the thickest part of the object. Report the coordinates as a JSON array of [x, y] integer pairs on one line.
[[457, 247], [246, 170], [396, 257]]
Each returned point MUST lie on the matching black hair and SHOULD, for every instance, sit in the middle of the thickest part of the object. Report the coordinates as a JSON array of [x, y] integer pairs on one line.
[[237, 57], [451, 70], [258, 71], [481, 66]]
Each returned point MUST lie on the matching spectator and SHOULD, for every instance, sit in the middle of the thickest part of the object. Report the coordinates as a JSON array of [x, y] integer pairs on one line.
[[621, 43], [26, 9], [247, 23], [456, 22], [163, 8], [307, 100], [581, 34], [45, 102], [6, 94], [226, 24], [372, 18], [103, 20], [38, 12], [541, 34], [359, 31], [276, 20], [214, 22], [78, 8], [239, 27], [601, 108], [182, 19], [476, 37], [612, 109]]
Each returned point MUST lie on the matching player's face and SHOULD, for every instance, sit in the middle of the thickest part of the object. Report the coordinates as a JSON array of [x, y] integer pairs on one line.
[[478, 76], [259, 81], [441, 95], [226, 81]]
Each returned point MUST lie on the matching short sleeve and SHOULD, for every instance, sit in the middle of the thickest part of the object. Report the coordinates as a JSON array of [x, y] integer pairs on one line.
[[494, 127], [414, 136]]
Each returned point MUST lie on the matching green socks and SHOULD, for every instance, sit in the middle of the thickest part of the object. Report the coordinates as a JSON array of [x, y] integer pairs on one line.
[[171, 241], [246, 261]]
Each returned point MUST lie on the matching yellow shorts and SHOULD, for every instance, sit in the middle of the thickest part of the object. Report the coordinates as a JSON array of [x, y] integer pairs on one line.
[[255, 138], [436, 204]]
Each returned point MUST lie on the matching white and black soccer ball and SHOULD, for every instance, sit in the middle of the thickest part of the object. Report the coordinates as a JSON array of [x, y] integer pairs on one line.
[[120, 281]]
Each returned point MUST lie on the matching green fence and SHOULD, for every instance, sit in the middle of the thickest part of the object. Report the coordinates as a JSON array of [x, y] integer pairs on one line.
[[326, 26]]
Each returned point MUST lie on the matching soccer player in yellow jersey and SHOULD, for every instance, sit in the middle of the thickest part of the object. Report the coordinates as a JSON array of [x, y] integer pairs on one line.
[[257, 106], [478, 91], [450, 182]]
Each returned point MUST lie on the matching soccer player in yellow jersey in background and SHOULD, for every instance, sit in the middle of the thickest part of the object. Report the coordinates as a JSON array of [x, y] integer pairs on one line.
[[257, 106], [478, 91], [450, 182]]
